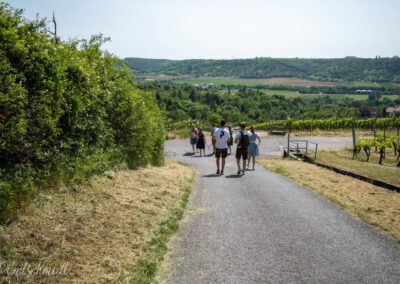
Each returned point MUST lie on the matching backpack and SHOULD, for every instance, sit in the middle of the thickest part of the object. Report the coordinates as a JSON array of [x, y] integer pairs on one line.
[[244, 140]]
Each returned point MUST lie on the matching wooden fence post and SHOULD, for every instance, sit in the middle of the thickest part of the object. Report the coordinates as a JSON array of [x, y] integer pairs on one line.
[[288, 143]]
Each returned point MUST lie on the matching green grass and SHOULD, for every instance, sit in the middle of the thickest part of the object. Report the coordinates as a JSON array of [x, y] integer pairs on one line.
[[281, 92], [391, 97], [386, 85], [357, 97], [363, 84], [156, 248]]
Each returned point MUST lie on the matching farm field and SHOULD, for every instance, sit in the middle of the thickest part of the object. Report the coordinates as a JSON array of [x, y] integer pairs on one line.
[[279, 81], [294, 94], [295, 82]]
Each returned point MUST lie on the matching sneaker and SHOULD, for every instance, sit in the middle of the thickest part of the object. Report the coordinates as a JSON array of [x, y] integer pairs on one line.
[[243, 172], [222, 172], [218, 172], [239, 170]]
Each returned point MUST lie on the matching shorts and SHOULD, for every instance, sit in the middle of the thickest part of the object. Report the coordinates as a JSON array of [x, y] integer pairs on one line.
[[219, 152], [193, 141], [241, 153]]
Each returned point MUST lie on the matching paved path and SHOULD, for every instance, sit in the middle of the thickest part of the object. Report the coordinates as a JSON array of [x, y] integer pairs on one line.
[[265, 228]]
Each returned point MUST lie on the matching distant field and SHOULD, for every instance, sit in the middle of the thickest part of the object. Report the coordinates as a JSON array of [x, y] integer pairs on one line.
[[387, 85], [293, 94], [295, 82], [281, 81], [365, 84], [391, 97], [159, 78]]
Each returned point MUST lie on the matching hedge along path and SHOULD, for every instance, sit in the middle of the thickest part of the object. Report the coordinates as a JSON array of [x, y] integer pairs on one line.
[[68, 110], [103, 230]]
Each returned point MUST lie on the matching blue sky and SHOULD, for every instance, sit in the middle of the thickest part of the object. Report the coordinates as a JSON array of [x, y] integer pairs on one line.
[[182, 29]]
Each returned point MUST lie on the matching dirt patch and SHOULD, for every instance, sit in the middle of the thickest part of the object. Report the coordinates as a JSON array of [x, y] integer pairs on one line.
[[100, 231], [372, 204]]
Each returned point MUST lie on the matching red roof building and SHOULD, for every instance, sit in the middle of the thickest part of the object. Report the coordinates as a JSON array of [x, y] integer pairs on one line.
[[393, 110]]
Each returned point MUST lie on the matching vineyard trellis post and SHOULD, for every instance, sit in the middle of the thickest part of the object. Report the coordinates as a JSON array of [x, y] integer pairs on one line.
[[353, 132], [288, 128]]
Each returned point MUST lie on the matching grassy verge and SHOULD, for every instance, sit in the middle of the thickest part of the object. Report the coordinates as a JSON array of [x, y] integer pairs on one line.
[[156, 248], [113, 230], [372, 204], [387, 172]]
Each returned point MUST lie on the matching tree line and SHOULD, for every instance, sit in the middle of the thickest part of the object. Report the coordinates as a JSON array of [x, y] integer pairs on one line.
[[341, 69], [182, 103]]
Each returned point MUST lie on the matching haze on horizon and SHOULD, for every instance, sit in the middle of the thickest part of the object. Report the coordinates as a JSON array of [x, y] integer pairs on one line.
[[225, 29]]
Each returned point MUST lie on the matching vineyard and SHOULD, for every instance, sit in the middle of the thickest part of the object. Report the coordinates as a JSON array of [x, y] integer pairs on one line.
[[380, 143], [333, 124]]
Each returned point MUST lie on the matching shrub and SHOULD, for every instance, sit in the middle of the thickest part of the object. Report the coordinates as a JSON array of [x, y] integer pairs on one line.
[[66, 111]]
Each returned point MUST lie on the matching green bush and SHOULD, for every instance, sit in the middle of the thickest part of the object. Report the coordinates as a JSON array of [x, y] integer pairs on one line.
[[66, 111]]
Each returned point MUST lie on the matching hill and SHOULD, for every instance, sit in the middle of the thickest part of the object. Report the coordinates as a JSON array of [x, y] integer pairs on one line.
[[343, 69]]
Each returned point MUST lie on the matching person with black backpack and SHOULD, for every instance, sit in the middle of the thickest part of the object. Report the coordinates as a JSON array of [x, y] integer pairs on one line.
[[242, 140]]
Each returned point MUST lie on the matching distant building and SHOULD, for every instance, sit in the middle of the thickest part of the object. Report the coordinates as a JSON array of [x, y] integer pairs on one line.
[[393, 110], [367, 112], [205, 86], [363, 91]]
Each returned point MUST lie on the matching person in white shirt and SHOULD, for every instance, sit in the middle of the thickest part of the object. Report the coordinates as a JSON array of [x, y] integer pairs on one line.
[[221, 137]]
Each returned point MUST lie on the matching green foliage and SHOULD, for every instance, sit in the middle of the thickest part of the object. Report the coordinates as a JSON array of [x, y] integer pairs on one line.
[[366, 70], [184, 103], [66, 111], [366, 145], [214, 118]]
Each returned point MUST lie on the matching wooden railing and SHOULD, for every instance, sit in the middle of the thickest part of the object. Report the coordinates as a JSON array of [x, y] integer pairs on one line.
[[301, 148]]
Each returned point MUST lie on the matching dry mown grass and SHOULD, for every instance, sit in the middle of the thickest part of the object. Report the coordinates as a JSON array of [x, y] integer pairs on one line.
[[375, 205], [101, 230], [343, 159]]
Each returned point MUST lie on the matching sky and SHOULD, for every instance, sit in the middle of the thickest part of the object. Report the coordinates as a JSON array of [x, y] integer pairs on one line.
[[226, 29]]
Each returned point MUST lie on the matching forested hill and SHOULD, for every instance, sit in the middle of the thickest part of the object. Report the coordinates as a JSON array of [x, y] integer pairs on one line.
[[344, 69]]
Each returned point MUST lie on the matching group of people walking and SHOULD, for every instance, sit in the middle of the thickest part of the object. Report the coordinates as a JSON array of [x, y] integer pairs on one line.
[[222, 141]]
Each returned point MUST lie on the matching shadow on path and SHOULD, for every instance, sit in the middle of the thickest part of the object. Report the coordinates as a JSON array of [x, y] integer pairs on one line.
[[211, 175], [234, 176]]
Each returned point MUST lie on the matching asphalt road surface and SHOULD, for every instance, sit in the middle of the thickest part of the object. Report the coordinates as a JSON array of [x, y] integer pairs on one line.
[[265, 228]]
